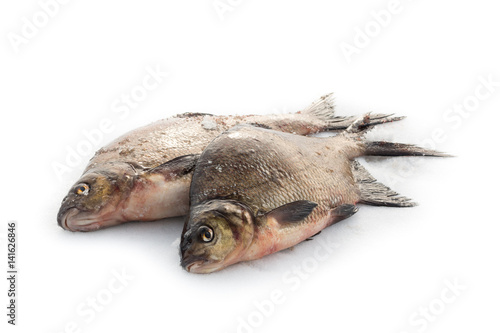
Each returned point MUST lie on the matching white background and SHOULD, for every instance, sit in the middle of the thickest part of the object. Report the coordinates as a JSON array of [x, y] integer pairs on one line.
[[389, 264]]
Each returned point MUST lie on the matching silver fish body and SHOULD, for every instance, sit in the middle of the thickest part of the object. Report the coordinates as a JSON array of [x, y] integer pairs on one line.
[[145, 174], [256, 191]]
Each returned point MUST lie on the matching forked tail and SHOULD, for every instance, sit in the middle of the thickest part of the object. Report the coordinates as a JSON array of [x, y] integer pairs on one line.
[[383, 148], [324, 109], [373, 192]]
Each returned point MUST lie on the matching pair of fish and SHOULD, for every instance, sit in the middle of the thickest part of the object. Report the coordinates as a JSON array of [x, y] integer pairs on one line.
[[250, 185]]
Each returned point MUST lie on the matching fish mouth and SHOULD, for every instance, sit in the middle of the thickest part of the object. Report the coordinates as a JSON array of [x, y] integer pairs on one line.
[[193, 267], [192, 264], [68, 221], [200, 265]]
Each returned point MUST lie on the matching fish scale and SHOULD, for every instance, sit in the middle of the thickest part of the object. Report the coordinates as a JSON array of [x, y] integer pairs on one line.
[[296, 169]]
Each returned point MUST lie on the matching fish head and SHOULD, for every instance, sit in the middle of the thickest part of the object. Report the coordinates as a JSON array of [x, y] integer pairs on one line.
[[217, 234], [93, 201]]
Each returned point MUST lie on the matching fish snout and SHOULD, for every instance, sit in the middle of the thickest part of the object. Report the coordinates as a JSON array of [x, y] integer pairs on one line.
[[65, 214], [186, 242], [188, 259], [73, 219], [191, 262], [67, 205]]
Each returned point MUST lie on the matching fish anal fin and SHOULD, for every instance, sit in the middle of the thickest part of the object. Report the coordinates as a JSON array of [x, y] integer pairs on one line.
[[375, 193]]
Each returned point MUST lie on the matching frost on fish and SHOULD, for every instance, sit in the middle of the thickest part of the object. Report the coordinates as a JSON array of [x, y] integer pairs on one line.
[[208, 123]]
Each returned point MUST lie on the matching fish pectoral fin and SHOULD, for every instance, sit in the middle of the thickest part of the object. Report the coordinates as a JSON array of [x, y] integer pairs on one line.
[[260, 125], [192, 114], [343, 211], [178, 166], [292, 212]]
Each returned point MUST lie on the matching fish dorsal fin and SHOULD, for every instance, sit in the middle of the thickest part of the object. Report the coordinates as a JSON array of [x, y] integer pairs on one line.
[[323, 108], [177, 167], [292, 212]]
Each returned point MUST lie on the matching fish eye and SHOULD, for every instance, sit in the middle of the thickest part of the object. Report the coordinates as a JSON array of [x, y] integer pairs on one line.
[[206, 234], [82, 189]]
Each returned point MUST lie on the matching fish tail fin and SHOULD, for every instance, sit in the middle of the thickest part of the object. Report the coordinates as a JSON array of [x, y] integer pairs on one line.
[[375, 193], [383, 148], [324, 110]]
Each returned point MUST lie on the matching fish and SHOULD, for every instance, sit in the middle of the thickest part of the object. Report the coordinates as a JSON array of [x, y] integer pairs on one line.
[[145, 174], [256, 191]]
